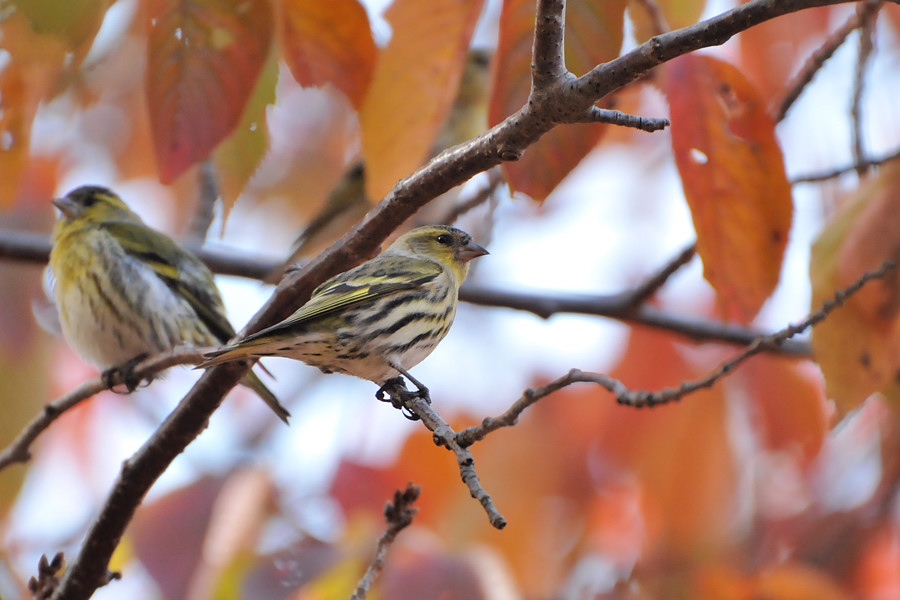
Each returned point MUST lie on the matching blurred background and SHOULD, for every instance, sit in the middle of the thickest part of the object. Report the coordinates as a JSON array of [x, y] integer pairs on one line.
[[781, 481]]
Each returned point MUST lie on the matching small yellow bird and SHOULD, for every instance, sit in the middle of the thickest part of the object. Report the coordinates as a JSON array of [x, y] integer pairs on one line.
[[125, 291], [378, 320]]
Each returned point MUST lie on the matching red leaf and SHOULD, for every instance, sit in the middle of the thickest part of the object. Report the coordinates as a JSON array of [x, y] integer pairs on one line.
[[329, 42], [593, 35], [203, 60], [734, 181]]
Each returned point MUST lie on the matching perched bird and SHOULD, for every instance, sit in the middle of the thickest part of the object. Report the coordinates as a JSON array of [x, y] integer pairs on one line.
[[378, 320], [125, 291]]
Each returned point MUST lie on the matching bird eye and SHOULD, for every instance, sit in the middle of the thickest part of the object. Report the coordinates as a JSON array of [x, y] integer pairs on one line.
[[89, 200], [445, 239]]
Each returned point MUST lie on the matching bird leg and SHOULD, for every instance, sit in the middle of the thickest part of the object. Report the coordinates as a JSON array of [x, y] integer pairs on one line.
[[399, 396], [421, 390], [125, 373]]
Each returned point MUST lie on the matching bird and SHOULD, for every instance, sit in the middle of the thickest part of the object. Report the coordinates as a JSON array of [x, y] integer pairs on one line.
[[125, 291], [377, 320]]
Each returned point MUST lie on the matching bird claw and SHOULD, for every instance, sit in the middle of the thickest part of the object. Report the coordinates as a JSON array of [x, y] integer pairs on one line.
[[124, 373], [399, 396]]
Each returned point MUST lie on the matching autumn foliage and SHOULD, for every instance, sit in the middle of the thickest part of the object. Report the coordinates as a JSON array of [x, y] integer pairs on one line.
[[780, 481]]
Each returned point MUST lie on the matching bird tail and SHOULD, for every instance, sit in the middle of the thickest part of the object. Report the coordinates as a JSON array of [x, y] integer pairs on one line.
[[253, 382]]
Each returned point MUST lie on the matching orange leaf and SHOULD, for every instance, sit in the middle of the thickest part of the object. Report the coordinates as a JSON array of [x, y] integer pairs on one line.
[[593, 35], [680, 453], [858, 345], [734, 181], [797, 582], [788, 402], [204, 58], [413, 86], [36, 64], [329, 42]]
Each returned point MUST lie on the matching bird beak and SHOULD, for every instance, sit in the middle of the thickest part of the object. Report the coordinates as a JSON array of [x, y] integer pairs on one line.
[[469, 251], [66, 206]]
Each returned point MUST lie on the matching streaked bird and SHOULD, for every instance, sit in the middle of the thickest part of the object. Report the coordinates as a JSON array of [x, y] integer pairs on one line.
[[378, 320], [125, 291]]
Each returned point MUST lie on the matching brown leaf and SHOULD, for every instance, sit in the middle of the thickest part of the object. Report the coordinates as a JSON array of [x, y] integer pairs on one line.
[[734, 181], [414, 86], [329, 42], [204, 58]]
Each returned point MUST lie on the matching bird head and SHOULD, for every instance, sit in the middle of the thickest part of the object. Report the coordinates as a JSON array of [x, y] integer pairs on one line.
[[446, 245], [93, 204]]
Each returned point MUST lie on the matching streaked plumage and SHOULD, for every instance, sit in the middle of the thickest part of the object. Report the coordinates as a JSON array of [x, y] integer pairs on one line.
[[124, 290], [378, 320]]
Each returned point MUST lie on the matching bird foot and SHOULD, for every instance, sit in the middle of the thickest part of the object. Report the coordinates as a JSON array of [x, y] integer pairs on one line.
[[399, 396], [124, 373]]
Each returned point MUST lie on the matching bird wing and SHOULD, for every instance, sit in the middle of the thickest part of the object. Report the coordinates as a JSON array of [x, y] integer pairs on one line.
[[181, 270], [360, 285]]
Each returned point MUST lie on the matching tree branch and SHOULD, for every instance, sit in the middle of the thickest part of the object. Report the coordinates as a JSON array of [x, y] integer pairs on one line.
[[444, 435], [619, 306], [868, 11], [838, 171]]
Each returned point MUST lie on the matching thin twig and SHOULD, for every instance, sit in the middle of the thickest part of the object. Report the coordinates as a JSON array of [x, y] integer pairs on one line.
[[657, 19], [445, 436], [614, 117], [837, 172], [398, 514], [480, 197], [643, 292], [867, 11], [19, 450], [643, 398], [815, 62]]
